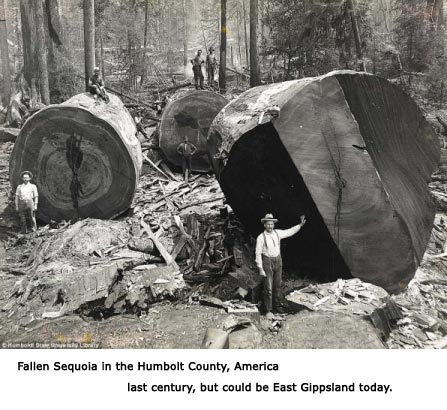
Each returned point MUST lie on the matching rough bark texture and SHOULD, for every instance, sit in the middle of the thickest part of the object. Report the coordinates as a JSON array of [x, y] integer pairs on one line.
[[84, 156], [41, 52], [89, 38], [254, 64], [351, 151], [4, 55], [191, 116], [223, 44]]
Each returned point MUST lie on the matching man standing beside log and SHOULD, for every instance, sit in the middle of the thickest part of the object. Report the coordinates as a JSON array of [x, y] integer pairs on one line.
[[197, 62], [186, 149], [26, 202], [211, 65], [269, 261]]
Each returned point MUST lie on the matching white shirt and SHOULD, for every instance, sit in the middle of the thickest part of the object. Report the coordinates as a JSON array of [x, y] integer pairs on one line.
[[269, 243], [26, 192]]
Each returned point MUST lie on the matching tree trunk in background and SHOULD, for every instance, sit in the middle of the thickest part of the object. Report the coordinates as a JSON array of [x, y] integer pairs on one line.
[[89, 38], [356, 34], [223, 44], [247, 59], [41, 52], [254, 63], [185, 38], [239, 37], [5, 55], [143, 65], [101, 45]]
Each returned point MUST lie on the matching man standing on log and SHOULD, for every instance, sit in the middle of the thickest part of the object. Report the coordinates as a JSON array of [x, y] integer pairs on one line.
[[211, 65], [197, 62], [96, 86], [26, 202], [269, 261], [186, 149]]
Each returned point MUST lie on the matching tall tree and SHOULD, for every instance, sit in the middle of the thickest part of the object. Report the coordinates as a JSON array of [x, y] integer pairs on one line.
[[244, 10], [223, 44], [254, 62], [89, 38], [41, 52], [356, 34], [5, 55], [185, 36]]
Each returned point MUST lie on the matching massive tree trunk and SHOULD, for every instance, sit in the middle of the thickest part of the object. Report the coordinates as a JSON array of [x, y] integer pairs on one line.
[[353, 153], [185, 38], [28, 41], [89, 38], [247, 58], [4, 55], [356, 34], [223, 44], [41, 51], [254, 63], [84, 156], [190, 115]]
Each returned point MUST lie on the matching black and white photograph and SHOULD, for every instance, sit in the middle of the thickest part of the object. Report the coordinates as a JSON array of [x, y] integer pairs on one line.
[[223, 174]]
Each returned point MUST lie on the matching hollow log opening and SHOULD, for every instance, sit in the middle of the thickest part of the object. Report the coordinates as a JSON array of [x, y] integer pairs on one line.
[[268, 182]]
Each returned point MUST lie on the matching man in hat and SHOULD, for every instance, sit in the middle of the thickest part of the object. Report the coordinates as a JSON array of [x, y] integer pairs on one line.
[[211, 65], [197, 62], [268, 259], [186, 149], [96, 85], [26, 202]]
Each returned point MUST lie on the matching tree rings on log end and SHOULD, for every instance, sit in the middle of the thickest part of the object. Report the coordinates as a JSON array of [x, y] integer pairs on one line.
[[85, 158], [349, 150], [190, 115]]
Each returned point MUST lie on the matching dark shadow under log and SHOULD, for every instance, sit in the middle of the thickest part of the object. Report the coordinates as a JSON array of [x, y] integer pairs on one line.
[[85, 158], [351, 151], [190, 115]]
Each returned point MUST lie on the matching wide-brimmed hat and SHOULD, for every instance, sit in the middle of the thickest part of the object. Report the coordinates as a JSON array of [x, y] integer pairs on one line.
[[26, 172], [267, 218]]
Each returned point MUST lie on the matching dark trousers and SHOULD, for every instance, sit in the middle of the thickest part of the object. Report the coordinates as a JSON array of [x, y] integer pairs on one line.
[[186, 166], [271, 295], [198, 76], [27, 216], [210, 73]]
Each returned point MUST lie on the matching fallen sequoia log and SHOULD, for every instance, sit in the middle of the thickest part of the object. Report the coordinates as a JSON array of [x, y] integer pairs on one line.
[[85, 158], [190, 115], [349, 150]]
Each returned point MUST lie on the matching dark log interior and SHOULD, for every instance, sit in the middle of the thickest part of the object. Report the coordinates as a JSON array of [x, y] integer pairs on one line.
[[268, 182]]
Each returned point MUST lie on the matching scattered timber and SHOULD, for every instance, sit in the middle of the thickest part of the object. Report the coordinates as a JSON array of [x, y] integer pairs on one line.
[[349, 150], [190, 115], [85, 158]]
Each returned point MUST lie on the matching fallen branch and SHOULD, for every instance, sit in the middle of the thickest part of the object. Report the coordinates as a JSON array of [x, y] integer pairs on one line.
[[204, 201], [155, 166], [163, 252]]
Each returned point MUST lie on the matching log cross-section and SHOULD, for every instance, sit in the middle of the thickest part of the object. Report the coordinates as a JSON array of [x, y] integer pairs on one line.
[[85, 158], [349, 150]]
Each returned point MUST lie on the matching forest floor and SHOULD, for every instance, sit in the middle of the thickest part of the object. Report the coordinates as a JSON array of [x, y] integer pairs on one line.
[[151, 307]]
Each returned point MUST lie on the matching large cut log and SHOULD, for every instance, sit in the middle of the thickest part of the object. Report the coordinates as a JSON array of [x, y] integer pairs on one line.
[[85, 158], [190, 115], [349, 150]]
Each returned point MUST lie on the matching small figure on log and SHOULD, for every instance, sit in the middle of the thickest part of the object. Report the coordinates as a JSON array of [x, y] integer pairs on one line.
[[211, 65], [269, 261], [197, 62], [26, 202], [139, 123], [97, 87], [186, 149]]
